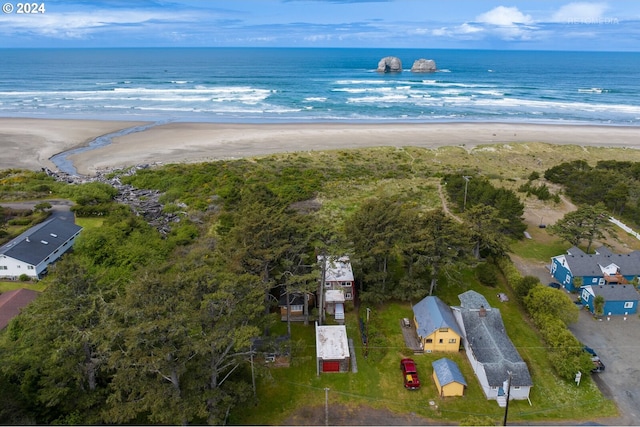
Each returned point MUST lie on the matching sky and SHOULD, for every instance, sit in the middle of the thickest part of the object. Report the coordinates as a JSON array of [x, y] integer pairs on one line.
[[612, 25]]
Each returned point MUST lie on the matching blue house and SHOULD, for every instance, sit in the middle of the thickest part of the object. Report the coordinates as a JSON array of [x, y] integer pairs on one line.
[[618, 299], [600, 268]]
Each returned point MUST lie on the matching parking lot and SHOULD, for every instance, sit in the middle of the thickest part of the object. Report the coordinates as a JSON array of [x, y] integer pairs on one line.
[[617, 342]]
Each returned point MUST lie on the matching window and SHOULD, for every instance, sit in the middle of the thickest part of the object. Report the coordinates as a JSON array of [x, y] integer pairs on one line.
[[443, 330], [327, 284], [3, 267], [429, 340], [347, 295], [347, 284], [516, 387], [452, 340], [29, 267], [628, 304], [440, 341]]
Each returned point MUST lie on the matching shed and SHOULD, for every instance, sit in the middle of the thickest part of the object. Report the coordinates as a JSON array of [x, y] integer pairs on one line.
[[448, 378], [332, 349]]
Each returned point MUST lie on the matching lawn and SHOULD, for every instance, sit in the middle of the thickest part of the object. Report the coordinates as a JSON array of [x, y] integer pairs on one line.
[[282, 392]]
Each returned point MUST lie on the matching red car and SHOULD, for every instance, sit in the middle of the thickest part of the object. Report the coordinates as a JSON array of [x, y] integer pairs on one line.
[[409, 374]]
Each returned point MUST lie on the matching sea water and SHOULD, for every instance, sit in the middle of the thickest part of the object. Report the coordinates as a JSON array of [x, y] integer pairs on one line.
[[320, 85]]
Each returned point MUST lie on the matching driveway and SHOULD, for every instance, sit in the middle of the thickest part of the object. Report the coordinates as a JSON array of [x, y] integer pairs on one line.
[[616, 342]]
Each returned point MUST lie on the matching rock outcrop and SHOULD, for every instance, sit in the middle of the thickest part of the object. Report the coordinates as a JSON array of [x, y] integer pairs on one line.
[[423, 66], [389, 64]]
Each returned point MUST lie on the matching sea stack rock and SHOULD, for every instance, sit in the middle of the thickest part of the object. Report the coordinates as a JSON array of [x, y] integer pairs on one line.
[[423, 66], [389, 64]]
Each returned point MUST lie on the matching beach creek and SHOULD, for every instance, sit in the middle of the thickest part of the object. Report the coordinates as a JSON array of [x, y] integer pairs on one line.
[[62, 162]]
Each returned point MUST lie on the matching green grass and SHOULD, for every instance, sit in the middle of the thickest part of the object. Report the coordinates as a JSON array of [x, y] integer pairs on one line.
[[89, 223], [284, 392], [12, 285]]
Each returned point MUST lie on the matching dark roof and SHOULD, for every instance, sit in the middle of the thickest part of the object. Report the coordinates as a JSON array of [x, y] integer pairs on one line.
[[295, 298], [12, 301], [489, 342], [447, 372], [40, 241], [616, 292], [432, 314], [582, 264]]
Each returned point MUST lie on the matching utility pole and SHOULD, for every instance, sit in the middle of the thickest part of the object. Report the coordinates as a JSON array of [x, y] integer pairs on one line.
[[326, 406], [506, 408], [321, 290], [466, 185]]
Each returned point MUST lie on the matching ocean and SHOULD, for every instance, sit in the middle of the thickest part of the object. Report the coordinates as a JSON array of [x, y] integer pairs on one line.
[[297, 85]]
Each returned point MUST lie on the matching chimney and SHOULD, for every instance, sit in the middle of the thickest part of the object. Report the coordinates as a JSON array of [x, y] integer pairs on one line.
[[482, 312]]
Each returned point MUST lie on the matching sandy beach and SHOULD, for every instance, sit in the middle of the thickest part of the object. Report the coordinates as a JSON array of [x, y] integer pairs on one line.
[[29, 143]]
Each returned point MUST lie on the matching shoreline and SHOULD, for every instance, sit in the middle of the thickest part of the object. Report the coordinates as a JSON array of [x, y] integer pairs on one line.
[[31, 142]]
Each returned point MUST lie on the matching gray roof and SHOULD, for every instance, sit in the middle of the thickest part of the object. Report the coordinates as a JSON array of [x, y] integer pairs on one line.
[[490, 344], [616, 292], [447, 372], [582, 264], [40, 241], [432, 314]]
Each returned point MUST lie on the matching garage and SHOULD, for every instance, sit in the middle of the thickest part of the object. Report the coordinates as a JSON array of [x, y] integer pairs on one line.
[[332, 349], [330, 366]]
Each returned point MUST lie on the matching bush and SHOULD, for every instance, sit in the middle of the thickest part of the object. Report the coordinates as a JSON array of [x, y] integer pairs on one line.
[[24, 278], [487, 274]]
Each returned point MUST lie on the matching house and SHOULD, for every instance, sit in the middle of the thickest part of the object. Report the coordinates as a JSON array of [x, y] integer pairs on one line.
[[296, 304], [11, 302], [31, 252], [618, 299], [436, 326], [602, 267], [448, 378], [491, 353], [332, 349], [338, 275]]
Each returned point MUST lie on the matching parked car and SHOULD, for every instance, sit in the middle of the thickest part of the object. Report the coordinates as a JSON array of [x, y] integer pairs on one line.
[[409, 374], [598, 366], [555, 285]]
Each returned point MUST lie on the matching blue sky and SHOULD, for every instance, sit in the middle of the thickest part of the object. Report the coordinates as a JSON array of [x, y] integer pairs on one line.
[[469, 24]]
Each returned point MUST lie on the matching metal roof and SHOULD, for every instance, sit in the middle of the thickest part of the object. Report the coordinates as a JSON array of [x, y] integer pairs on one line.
[[447, 372], [40, 241], [11, 302], [432, 314]]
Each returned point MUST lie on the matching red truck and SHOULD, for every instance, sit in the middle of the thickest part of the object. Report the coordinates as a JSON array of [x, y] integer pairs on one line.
[[409, 374]]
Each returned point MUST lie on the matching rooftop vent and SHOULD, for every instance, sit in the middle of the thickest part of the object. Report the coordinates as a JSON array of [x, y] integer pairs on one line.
[[53, 235], [44, 242]]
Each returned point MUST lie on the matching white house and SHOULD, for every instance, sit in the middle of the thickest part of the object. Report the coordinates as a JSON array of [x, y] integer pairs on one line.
[[491, 353], [31, 252]]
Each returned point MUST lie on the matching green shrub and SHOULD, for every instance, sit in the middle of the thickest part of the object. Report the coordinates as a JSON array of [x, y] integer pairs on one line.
[[24, 278], [487, 274]]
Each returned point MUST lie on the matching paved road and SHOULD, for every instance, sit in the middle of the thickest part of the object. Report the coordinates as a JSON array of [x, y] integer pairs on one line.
[[617, 342]]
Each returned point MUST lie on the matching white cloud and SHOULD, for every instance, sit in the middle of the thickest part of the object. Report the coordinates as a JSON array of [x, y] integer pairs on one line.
[[504, 16], [79, 25], [580, 12]]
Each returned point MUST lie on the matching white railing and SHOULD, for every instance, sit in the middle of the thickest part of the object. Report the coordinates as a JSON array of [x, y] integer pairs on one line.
[[624, 227]]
